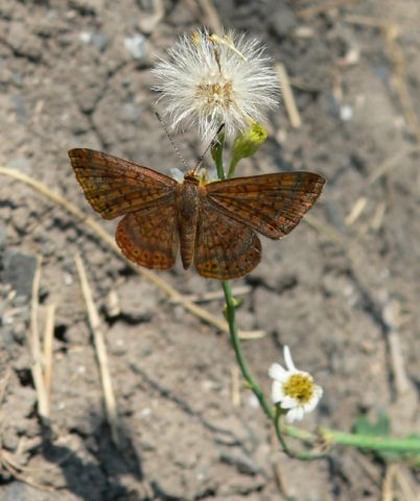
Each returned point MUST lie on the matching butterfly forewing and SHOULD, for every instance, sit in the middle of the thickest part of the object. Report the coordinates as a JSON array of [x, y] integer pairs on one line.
[[115, 187], [225, 248], [272, 204]]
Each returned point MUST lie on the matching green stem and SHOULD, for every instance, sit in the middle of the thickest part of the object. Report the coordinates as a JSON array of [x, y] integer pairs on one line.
[[233, 330], [332, 437], [281, 432], [401, 445], [232, 167], [217, 154]]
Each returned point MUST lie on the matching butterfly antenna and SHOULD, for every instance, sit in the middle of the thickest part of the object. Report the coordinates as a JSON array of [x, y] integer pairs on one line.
[[171, 140], [213, 143]]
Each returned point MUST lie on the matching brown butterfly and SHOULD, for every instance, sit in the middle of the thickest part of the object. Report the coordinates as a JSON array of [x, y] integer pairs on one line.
[[213, 223]]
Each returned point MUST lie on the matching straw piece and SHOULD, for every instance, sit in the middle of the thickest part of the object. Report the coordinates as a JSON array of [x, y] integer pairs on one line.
[[387, 490], [391, 315], [235, 377], [356, 211], [35, 348], [288, 97], [101, 353]]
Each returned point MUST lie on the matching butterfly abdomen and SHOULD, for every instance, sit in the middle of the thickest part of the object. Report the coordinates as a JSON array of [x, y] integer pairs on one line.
[[188, 213]]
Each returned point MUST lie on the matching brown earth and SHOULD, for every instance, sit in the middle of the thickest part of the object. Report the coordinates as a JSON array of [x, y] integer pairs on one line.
[[344, 295]]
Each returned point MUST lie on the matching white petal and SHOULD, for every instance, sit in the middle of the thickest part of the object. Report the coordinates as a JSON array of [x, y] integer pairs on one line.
[[277, 394], [310, 406], [276, 371], [288, 402], [295, 414], [318, 391], [288, 359]]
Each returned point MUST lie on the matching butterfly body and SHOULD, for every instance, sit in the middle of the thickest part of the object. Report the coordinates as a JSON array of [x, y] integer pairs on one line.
[[213, 224], [189, 197]]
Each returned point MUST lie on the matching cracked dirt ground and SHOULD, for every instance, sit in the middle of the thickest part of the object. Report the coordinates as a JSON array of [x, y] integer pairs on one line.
[[345, 297]]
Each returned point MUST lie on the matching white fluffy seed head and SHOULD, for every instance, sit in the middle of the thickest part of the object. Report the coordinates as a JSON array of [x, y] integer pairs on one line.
[[209, 80]]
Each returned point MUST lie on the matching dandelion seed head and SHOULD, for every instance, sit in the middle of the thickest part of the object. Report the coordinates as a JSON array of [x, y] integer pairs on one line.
[[209, 80]]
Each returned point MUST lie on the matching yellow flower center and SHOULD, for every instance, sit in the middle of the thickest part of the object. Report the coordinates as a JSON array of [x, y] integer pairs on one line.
[[300, 387]]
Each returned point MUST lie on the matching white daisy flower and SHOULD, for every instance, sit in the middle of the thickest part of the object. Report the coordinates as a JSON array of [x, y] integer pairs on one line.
[[210, 80], [293, 390]]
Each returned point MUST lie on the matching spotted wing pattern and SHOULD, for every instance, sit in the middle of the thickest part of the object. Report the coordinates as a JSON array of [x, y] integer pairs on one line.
[[272, 204], [225, 248], [149, 237], [114, 186]]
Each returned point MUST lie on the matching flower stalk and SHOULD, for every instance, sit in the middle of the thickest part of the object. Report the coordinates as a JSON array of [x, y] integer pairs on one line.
[[213, 80]]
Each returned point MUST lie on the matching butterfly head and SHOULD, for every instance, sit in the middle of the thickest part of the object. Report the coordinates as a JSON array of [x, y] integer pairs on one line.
[[194, 177]]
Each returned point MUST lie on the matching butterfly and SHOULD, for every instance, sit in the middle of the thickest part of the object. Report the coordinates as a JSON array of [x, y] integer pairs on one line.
[[214, 224]]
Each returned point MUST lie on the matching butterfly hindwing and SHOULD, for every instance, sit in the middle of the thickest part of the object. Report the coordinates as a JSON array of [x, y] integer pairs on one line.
[[149, 237], [225, 248]]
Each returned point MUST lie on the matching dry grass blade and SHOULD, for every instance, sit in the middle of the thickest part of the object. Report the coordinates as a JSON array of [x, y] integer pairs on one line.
[[387, 490], [35, 348], [211, 17], [356, 211], [288, 97], [409, 488], [235, 378], [319, 9], [327, 230], [389, 164], [90, 223], [15, 470], [101, 353], [391, 315]]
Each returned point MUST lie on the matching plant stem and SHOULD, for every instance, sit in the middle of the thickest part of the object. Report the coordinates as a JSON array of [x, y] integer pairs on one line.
[[233, 329]]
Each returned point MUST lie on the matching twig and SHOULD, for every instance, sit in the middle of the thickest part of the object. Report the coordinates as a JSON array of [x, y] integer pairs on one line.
[[101, 353], [35, 348], [288, 97], [110, 242]]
